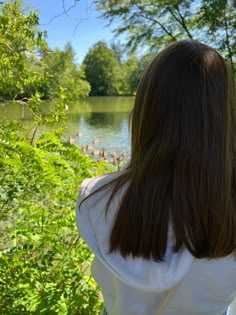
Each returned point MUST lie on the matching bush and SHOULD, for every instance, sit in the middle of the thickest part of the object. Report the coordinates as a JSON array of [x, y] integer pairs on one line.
[[44, 264]]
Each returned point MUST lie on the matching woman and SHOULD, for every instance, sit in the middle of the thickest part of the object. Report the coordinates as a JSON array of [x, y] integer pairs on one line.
[[163, 230]]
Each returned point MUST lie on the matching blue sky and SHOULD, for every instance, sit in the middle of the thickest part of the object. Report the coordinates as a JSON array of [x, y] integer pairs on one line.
[[83, 27]]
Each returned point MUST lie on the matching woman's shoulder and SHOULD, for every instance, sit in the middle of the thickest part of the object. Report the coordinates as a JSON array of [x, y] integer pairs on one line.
[[91, 202], [93, 184]]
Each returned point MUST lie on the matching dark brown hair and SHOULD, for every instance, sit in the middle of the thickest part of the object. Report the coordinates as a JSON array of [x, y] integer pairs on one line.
[[182, 168]]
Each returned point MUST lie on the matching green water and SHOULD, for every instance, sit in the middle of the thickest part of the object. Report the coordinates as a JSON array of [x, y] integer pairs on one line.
[[102, 118]]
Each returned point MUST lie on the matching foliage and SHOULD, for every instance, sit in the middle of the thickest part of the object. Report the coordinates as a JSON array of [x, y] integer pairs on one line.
[[110, 73], [219, 24], [155, 23], [28, 67], [43, 262], [19, 44], [62, 71], [102, 70], [132, 71], [30, 71]]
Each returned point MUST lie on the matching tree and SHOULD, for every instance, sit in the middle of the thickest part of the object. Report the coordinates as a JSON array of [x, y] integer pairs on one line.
[[220, 25], [19, 44], [118, 50], [155, 23], [139, 66], [129, 80], [102, 70], [64, 73]]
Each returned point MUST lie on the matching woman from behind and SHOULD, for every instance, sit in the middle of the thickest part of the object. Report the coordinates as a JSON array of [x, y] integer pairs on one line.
[[163, 230]]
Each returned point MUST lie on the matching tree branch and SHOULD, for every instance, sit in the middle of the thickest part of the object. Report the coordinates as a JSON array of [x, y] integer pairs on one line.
[[33, 136], [14, 50], [180, 20], [148, 17], [227, 42], [65, 12], [24, 49]]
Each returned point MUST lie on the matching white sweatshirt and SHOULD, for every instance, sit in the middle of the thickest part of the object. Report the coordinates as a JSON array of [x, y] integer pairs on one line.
[[134, 286]]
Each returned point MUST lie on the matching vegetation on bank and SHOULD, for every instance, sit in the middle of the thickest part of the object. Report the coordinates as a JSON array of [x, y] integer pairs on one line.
[[43, 262]]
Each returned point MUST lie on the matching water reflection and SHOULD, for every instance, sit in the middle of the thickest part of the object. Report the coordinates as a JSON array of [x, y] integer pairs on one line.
[[98, 120]]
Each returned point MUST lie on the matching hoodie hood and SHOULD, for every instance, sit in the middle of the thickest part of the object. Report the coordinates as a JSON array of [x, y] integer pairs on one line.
[[146, 275]]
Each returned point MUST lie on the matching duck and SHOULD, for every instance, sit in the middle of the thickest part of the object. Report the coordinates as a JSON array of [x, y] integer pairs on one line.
[[71, 140], [95, 152], [103, 153], [113, 154], [95, 140], [122, 154], [88, 147], [113, 161]]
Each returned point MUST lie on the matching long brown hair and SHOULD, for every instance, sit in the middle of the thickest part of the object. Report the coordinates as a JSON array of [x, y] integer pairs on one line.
[[182, 168]]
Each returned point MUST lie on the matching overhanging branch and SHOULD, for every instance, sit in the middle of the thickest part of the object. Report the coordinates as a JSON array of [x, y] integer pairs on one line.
[[180, 20], [150, 18]]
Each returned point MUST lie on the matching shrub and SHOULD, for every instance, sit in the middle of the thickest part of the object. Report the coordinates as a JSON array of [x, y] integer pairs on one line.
[[44, 264]]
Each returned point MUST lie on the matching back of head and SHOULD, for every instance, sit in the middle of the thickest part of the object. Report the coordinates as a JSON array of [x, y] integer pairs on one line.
[[182, 168]]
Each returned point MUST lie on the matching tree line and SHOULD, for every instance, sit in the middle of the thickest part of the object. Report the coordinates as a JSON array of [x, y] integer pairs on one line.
[[29, 67]]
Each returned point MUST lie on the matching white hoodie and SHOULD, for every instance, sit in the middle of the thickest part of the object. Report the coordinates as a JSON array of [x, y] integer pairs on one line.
[[134, 286]]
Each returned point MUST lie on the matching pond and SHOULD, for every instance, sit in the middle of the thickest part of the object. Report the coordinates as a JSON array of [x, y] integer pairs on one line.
[[101, 122]]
